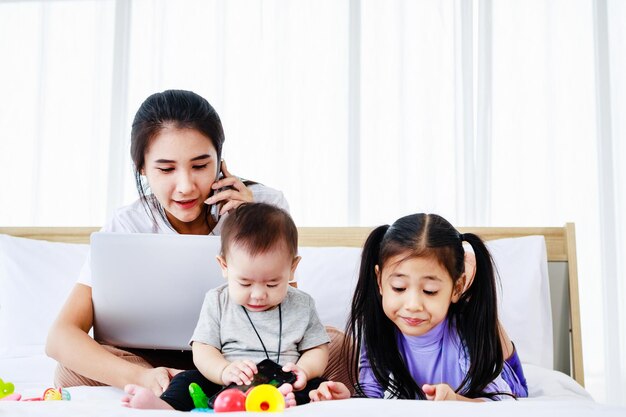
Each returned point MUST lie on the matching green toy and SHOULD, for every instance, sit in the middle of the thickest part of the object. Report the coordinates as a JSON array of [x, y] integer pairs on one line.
[[200, 400], [6, 388]]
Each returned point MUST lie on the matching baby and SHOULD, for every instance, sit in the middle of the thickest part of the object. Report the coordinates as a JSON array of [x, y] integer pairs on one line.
[[256, 315]]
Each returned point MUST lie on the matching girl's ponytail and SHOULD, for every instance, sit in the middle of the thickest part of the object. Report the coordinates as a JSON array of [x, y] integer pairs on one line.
[[365, 293], [477, 321]]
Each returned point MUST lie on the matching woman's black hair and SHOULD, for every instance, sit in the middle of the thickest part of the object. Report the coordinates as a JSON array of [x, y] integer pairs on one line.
[[172, 108], [474, 315]]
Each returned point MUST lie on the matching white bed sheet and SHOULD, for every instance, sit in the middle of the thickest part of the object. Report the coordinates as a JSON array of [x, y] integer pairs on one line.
[[345, 408], [551, 393]]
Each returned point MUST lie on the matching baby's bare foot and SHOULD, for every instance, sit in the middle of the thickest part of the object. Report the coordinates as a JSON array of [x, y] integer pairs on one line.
[[140, 397], [287, 391]]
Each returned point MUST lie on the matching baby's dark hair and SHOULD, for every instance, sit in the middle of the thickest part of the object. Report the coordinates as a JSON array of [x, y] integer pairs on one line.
[[259, 228], [474, 315]]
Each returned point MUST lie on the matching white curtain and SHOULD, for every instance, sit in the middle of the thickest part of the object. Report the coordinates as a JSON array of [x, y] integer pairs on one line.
[[488, 112]]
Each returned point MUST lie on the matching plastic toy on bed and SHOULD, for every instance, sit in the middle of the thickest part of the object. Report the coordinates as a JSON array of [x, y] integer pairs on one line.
[[6, 389], [262, 398], [260, 395], [56, 394], [269, 372], [51, 394]]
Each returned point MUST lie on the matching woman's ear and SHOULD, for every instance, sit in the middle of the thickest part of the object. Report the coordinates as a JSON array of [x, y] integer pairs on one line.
[[459, 288], [222, 262]]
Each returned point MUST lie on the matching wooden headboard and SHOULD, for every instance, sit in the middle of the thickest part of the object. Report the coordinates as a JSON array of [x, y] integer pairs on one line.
[[562, 269]]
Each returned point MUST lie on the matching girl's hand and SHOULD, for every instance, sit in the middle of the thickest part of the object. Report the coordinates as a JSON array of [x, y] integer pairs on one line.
[[239, 372], [233, 196], [330, 390], [439, 392], [444, 392], [157, 379], [301, 376]]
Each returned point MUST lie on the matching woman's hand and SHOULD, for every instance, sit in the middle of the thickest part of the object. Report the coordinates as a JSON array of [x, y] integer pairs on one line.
[[330, 390], [235, 193], [157, 379], [239, 372]]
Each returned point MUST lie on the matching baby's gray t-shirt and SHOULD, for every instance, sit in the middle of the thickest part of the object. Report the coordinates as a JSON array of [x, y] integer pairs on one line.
[[223, 324]]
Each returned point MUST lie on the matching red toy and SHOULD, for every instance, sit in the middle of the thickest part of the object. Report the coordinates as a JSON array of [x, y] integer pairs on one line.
[[230, 400]]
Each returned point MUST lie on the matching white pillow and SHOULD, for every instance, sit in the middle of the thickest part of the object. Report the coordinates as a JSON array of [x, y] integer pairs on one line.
[[329, 276], [524, 301], [35, 278]]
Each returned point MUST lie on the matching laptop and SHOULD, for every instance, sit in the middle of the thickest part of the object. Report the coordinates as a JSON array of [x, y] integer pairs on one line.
[[147, 289]]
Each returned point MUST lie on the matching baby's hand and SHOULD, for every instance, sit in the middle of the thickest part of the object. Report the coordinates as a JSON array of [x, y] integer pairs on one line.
[[439, 392], [301, 377], [330, 390], [239, 372]]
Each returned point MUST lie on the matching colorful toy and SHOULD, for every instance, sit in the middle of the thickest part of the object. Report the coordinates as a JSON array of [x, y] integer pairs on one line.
[[56, 394], [230, 400], [6, 388], [200, 400], [265, 398], [50, 394], [269, 372]]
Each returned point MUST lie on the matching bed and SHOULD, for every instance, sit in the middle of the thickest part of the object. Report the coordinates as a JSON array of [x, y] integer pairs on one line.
[[539, 308]]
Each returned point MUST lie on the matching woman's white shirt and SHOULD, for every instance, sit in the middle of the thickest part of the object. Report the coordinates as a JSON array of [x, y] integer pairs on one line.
[[134, 218]]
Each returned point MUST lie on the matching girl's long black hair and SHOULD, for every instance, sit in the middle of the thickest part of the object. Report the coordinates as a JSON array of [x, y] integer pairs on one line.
[[475, 314]]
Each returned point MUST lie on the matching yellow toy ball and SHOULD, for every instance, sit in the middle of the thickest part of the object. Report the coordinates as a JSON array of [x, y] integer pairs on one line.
[[265, 398]]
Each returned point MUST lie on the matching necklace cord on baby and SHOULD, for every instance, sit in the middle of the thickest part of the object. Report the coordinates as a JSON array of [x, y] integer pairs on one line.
[[280, 332]]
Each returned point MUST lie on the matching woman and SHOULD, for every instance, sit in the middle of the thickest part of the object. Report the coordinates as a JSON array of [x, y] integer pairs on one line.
[[184, 187]]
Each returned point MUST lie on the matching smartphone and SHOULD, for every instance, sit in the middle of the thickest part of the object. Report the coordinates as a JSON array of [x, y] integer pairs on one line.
[[215, 208], [269, 372]]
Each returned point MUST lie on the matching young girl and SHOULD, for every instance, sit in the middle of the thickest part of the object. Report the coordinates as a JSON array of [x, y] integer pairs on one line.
[[418, 332]]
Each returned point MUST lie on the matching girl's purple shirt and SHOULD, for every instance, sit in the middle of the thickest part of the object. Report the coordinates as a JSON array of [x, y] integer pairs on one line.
[[435, 357]]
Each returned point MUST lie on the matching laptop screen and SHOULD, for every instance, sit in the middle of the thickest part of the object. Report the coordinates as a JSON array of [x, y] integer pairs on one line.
[[148, 289]]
